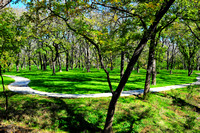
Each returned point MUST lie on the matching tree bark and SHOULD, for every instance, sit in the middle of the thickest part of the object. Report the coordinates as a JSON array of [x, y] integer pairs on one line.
[[88, 58], [111, 62], [150, 65], [154, 72], [17, 63], [67, 60], [54, 67], [60, 64], [40, 59], [138, 67], [72, 57], [168, 59], [44, 62], [122, 64], [4, 90]]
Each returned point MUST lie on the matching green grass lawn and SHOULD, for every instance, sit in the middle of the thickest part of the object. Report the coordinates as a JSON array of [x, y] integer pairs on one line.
[[80, 82], [171, 111]]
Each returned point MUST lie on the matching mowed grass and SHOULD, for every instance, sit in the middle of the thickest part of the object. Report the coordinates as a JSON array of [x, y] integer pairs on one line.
[[170, 111], [81, 82]]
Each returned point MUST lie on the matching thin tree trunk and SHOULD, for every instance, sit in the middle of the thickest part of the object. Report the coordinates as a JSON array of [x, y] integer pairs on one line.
[[79, 59], [4, 90], [29, 62], [138, 67], [60, 64], [67, 60], [72, 58], [17, 63], [122, 64], [54, 67], [44, 62], [40, 59], [111, 61], [88, 58], [168, 59], [97, 60], [154, 72]]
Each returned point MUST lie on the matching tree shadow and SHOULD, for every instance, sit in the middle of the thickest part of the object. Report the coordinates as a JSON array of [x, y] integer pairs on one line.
[[138, 116], [43, 113], [74, 123], [180, 102]]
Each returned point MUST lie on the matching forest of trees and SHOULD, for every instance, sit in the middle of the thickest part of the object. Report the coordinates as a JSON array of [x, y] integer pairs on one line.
[[121, 34]]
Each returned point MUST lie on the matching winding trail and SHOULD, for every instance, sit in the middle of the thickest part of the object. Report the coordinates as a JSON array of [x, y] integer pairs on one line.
[[21, 86]]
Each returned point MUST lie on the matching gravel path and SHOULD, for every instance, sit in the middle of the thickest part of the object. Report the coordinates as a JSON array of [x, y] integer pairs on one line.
[[21, 86]]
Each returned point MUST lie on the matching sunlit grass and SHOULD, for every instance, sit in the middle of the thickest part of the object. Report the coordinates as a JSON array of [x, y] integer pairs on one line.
[[170, 111], [80, 82]]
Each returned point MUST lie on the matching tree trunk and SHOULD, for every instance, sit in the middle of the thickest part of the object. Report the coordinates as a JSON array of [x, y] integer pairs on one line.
[[4, 90], [97, 60], [79, 59], [67, 60], [111, 62], [45, 63], [137, 52], [168, 59], [72, 58], [190, 69], [138, 67], [154, 72], [88, 59], [150, 65], [40, 59], [122, 64], [17, 63], [29, 62], [54, 67], [198, 63], [60, 64]]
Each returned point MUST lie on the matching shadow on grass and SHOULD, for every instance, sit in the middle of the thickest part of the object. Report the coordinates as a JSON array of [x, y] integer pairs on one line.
[[45, 113], [132, 120], [180, 102]]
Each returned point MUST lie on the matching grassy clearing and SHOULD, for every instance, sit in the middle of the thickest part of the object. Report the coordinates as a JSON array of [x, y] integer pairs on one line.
[[80, 82], [171, 111]]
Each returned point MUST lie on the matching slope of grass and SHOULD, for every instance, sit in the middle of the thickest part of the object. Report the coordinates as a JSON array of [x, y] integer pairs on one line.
[[172, 111], [80, 82]]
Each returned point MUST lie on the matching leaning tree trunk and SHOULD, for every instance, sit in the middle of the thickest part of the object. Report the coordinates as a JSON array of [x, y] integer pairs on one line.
[[4, 90], [137, 52]]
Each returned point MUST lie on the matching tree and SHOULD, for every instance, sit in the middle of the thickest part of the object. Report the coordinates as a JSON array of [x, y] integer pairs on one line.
[[8, 39]]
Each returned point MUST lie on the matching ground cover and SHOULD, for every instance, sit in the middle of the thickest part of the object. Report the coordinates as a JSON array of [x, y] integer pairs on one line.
[[80, 82], [171, 111]]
